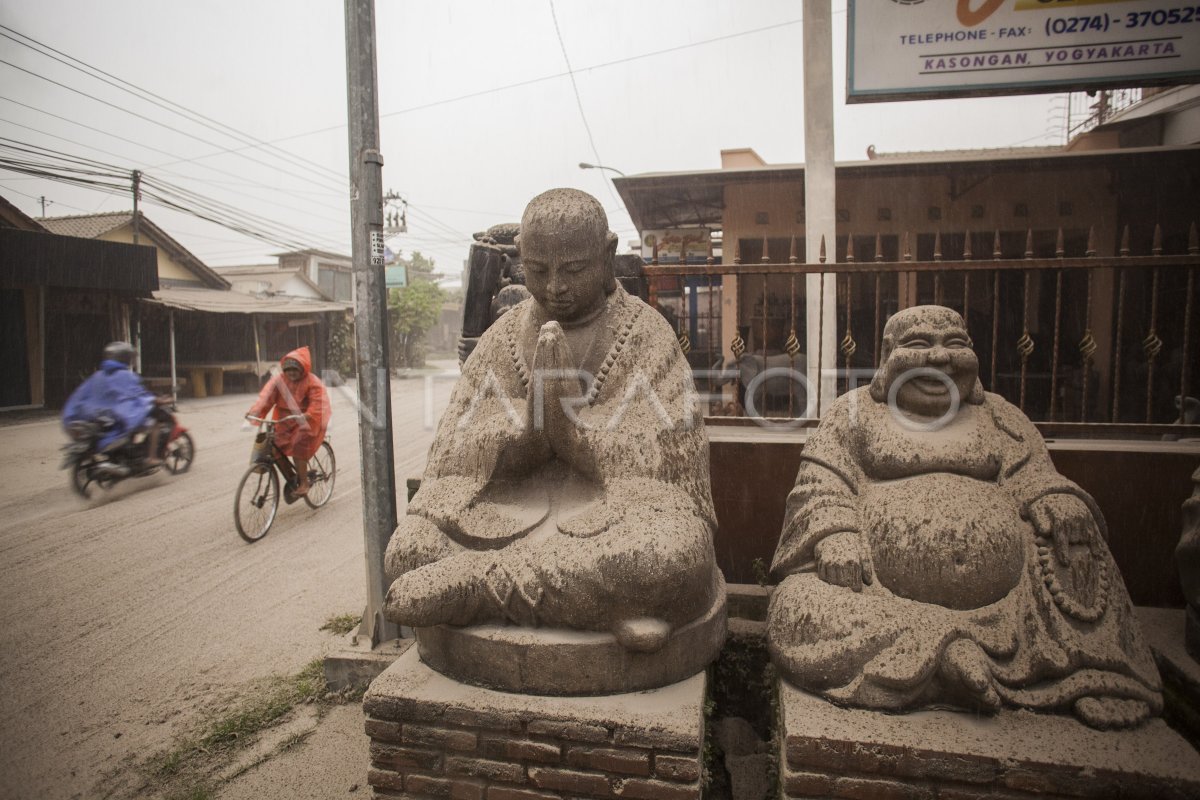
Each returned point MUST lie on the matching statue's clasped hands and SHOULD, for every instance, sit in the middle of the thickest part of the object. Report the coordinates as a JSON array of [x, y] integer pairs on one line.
[[843, 559], [1064, 519], [556, 380]]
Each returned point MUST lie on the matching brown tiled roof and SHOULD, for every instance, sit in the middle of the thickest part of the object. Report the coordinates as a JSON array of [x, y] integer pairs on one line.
[[87, 226]]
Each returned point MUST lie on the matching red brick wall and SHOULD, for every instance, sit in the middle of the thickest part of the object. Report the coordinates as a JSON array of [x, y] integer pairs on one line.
[[430, 750]]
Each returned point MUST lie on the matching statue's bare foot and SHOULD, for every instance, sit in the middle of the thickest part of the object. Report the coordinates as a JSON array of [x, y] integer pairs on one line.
[[642, 634], [965, 665], [1111, 712]]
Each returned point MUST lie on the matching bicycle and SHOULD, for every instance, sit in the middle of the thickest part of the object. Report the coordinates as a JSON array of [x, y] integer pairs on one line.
[[257, 500]]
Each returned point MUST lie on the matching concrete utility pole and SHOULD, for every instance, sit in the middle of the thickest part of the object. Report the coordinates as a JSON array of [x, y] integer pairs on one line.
[[136, 181], [370, 312], [820, 202], [136, 186]]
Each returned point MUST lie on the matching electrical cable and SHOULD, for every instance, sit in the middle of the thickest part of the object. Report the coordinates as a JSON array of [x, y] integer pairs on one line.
[[276, 237], [578, 99], [544, 78], [228, 212], [151, 120], [164, 152], [162, 102], [114, 171]]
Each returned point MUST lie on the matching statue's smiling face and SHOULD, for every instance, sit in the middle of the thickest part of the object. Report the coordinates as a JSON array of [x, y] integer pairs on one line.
[[566, 270], [937, 342]]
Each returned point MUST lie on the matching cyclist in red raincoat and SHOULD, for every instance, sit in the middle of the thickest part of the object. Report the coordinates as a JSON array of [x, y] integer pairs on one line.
[[296, 391]]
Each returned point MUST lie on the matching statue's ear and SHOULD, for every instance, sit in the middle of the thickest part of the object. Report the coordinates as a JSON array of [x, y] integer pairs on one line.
[[976, 396], [610, 255], [877, 389]]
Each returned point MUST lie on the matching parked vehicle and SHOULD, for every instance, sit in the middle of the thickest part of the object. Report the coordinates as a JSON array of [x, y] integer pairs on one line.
[[257, 499], [125, 458]]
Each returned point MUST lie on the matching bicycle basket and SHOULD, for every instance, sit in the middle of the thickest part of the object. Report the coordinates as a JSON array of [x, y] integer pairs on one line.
[[260, 453]]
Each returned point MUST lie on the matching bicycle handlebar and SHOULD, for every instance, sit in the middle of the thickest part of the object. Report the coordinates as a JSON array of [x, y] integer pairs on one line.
[[274, 421]]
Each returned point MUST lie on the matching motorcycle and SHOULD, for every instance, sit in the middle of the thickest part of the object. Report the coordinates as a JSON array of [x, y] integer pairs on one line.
[[125, 458]]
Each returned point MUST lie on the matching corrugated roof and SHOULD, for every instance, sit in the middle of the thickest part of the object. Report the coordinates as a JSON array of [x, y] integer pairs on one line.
[[271, 275], [87, 226], [219, 301], [926, 156], [696, 197]]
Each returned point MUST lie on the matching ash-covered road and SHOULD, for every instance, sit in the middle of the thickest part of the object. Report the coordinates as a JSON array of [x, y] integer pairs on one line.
[[126, 615]]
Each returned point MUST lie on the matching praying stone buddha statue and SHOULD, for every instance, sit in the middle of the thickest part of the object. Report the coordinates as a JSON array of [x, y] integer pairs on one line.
[[561, 540], [931, 555]]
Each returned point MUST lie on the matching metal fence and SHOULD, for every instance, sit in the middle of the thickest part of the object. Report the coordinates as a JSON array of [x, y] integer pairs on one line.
[[1086, 344]]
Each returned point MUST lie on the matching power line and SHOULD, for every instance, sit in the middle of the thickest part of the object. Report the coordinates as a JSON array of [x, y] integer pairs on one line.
[[575, 88], [151, 120], [419, 213], [230, 214], [162, 102], [78, 165], [543, 79], [164, 152], [211, 211], [35, 197]]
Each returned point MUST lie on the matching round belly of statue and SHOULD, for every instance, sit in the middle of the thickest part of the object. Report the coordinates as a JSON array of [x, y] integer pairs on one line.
[[945, 539]]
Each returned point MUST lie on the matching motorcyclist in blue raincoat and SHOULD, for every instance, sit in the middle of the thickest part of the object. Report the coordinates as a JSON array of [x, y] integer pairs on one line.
[[116, 391]]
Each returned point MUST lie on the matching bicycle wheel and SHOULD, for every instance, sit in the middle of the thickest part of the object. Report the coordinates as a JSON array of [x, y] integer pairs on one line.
[[179, 454], [256, 502], [322, 470]]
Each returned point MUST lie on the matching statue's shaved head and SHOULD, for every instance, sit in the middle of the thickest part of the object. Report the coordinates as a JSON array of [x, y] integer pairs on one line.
[[569, 212], [567, 253]]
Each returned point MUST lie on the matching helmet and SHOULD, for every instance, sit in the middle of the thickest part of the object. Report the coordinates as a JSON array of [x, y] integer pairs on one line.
[[120, 351]]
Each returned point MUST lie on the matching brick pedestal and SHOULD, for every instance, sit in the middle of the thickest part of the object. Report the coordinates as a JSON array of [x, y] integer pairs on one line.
[[828, 751], [434, 737]]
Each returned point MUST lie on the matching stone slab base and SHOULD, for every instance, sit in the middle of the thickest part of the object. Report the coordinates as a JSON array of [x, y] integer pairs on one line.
[[556, 661], [827, 751], [353, 662], [432, 736]]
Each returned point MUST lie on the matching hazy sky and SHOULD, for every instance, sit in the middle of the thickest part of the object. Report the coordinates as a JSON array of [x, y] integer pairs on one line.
[[477, 109]]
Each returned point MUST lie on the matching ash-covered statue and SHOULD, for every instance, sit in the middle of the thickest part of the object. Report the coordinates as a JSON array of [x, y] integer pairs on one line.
[[932, 556], [567, 486]]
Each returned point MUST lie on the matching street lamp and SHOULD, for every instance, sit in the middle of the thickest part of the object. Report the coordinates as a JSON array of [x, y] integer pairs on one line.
[[585, 165]]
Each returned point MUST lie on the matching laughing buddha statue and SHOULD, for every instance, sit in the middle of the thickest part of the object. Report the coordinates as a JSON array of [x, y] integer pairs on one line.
[[932, 556]]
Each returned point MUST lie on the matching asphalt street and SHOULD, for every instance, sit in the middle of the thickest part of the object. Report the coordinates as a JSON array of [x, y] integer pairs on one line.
[[127, 616]]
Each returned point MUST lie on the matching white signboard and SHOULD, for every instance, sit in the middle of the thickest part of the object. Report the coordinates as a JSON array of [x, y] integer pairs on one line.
[[909, 49], [672, 242]]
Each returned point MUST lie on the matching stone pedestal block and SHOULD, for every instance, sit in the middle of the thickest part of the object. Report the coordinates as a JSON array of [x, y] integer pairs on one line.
[[432, 736], [1165, 630], [827, 751]]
